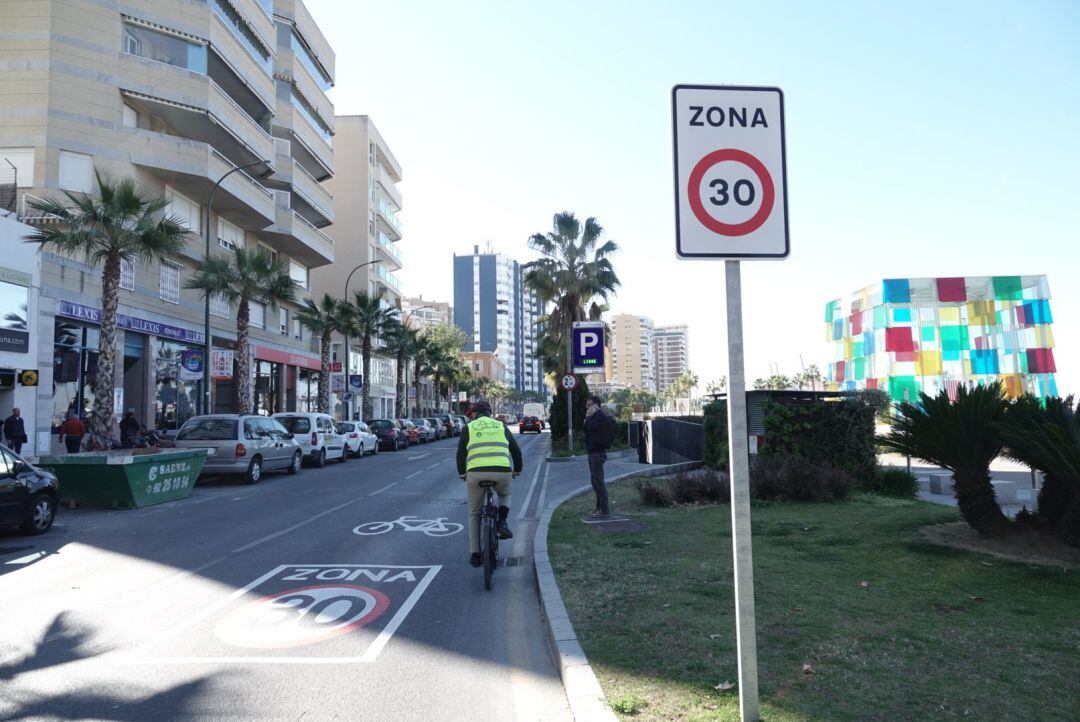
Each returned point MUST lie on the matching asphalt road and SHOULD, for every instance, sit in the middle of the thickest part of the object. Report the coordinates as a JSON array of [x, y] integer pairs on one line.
[[262, 602]]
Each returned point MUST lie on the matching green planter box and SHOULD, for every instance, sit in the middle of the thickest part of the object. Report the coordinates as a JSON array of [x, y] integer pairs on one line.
[[123, 480]]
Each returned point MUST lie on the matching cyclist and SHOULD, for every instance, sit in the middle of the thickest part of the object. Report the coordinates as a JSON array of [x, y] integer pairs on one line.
[[486, 451]]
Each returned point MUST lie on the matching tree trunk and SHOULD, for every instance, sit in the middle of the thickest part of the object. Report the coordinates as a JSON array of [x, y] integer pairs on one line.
[[366, 407], [243, 359], [438, 391], [416, 386], [975, 498], [101, 420], [324, 372], [399, 386]]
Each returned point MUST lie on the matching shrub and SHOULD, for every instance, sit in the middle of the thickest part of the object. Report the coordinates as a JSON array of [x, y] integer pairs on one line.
[[796, 478], [706, 486], [834, 433], [715, 454], [557, 413], [628, 704], [653, 495], [891, 482]]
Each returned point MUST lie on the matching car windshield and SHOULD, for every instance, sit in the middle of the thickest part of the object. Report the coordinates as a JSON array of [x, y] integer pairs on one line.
[[381, 424], [208, 430], [296, 424], [419, 422]]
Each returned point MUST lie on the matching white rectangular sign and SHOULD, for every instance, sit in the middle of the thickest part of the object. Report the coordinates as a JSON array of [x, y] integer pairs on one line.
[[730, 172]]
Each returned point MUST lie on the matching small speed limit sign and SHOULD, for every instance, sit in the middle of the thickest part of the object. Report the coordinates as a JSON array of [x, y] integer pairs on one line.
[[568, 381], [730, 188]]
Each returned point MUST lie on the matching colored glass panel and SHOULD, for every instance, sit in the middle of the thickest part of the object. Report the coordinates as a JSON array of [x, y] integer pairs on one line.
[[984, 361], [1008, 287], [832, 308], [901, 315], [856, 323], [951, 290], [899, 339], [839, 371], [949, 314], [926, 333], [896, 290], [837, 329], [880, 317], [860, 369], [1036, 312], [928, 363], [1041, 361], [903, 388]]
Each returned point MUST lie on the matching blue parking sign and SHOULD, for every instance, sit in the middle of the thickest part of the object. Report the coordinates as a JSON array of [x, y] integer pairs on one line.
[[588, 347]]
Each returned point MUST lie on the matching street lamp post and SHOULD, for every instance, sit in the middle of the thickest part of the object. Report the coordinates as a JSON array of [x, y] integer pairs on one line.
[[348, 404], [206, 310]]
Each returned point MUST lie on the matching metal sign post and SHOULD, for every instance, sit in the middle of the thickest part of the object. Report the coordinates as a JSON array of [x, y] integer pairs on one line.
[[731, 203], [569, 396]]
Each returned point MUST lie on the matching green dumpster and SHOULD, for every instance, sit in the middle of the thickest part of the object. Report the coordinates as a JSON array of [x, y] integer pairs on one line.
[[124, 480]]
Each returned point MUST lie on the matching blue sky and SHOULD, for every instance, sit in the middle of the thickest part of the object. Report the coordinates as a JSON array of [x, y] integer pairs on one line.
[[924, 139]]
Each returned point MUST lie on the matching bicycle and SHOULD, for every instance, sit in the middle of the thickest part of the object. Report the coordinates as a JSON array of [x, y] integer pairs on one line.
[[489, 532]]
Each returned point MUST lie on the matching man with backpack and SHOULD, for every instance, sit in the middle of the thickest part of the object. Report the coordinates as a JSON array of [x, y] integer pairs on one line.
[[600, 431]]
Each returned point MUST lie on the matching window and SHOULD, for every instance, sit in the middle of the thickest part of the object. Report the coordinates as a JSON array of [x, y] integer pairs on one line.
[[23, 160], [269, 252], [371, 222], [219, 307], [76, 171], [298, 273], [130, 117], [297, 329], [183, 209], [230, 235], [257, 315], [283, 322], [243, 32], [301, 51], [127, 275], [371, 153], [169, 286], [164, 48], [309, 112]]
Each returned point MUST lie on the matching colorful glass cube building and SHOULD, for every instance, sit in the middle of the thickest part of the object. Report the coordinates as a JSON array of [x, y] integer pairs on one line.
[[907, 335]]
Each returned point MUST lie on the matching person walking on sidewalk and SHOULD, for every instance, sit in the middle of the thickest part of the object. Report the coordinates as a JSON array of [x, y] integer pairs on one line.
[[15, 431], [600, 430], [487, 452], [71, 433]]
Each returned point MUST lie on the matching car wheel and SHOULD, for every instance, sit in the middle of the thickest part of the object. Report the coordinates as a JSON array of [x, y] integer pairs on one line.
[[360, 451], [297, 462], [344, 455], [375, 448], [254, 471], [40, 515], [320, 458]]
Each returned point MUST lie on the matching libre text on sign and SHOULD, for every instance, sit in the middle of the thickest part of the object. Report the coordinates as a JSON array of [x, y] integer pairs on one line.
[[588, 347], [730, 172]]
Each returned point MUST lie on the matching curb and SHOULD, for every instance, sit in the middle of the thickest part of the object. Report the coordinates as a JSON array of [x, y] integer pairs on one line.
[[583, 691], [624, 454]]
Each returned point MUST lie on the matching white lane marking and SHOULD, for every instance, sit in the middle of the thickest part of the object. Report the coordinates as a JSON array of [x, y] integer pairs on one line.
[[388, 631], [294, 527], [543, 494], [419, 456], [379, 491], [432, 466], [28, 558], [532, 488], [415, 473], [149, 591]]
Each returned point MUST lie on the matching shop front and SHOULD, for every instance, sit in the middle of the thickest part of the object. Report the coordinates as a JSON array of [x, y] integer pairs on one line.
[[284, 381], [18, 370]]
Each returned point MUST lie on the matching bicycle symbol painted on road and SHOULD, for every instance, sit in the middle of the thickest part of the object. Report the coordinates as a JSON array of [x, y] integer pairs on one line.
[[431, 527]]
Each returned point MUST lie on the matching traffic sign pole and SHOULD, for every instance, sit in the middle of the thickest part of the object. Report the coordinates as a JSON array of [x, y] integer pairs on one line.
[[569, 394], [738, 454]]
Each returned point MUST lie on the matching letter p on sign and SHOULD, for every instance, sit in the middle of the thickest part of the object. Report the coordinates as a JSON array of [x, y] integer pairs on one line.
[[588, 347]]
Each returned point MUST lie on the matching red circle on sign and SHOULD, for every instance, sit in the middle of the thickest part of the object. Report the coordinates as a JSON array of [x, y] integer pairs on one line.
[[569, 382], [768, 192]]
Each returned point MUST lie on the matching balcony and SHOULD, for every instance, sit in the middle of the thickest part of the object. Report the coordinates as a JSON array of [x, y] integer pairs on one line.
[[309, 148], [387, 251], [296, 236], [387, 280], [386, 220], [388, 185], [310, 198], [297, 13], [288, 64], [192, 167]]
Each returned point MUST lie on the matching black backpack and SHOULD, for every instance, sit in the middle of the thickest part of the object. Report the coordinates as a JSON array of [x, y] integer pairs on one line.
[[607, 430]]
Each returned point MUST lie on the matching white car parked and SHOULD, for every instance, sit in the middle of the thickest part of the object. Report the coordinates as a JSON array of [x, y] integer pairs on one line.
[[317, 434], [358, 438]]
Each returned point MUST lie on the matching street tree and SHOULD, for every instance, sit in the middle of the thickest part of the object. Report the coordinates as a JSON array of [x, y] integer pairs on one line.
[[323, 319], [370, 316], [120, 222], [400, 342]]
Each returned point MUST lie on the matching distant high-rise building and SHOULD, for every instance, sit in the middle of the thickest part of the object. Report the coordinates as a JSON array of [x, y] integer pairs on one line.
[[498, 314], [672, 359], [633, 352], [420, 313]]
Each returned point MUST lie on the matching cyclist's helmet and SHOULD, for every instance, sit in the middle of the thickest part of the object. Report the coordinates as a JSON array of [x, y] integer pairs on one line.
[[481, 407]]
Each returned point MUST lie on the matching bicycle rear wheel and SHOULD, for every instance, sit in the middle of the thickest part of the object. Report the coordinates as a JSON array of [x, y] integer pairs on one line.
[[486, 552]]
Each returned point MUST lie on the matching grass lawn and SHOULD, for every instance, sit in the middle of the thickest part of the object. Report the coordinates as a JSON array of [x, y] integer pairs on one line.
[[934, 633]]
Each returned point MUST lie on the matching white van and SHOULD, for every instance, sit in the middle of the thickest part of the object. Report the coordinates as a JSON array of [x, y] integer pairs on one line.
[[538, 410], [317, 434]]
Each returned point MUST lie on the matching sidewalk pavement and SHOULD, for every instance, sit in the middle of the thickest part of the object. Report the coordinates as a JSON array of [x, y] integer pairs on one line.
[[1000, 470]]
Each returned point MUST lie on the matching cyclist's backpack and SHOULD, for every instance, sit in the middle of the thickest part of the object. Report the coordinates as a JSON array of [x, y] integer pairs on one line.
[[607, 430]]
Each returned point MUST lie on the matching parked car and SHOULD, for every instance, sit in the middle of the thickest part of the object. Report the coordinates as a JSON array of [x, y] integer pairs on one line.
[[412, 434], [358, 438], [317, 434], [29, 496], [530, 423], [440, 429], [506, 419], [427, 431], [241, 444], [449, 424], [388, 433], [462, 422]]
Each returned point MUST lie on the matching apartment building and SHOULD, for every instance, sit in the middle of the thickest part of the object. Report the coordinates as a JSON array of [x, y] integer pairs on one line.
[[420, 313], [498, 314], [178, 95], [633, 362], [672, 349], [366, 233]]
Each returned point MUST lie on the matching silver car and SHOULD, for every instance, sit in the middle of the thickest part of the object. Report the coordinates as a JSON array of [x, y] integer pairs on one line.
[[241, 444]]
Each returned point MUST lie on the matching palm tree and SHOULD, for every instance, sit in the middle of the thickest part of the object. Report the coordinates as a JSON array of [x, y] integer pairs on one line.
[[422, 355], [370, 317], [322, 319], [121, 222], [401, 342], [962, 436], [457, 374], [241, 279], [574, 272]]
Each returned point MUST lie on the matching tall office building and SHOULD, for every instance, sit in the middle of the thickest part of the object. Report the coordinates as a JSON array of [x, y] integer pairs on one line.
[[672, 349], [633, 352], [912, 335], [177, 95], [366, 230], [498, 314]]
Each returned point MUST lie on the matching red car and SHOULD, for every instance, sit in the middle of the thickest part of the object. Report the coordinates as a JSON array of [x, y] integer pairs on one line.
[[530, 423], [412, 434]]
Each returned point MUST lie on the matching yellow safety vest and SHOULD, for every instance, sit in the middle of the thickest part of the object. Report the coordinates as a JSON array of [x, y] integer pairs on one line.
[[488, 446]]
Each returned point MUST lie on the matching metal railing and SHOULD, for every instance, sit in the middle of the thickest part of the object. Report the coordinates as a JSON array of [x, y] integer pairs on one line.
[[314, 229], [28, 214], [258, 187], [237, 107]]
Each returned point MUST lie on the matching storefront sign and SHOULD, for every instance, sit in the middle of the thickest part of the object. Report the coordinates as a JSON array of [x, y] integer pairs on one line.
[[78, 311], [283, 357], [221, 365], [118, 401], [337, 383], [17, 341], [191, 364]]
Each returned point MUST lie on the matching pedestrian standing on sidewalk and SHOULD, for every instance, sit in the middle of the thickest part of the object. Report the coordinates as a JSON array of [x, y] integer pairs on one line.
[[600, 430], [71, 433], [15, 431]]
